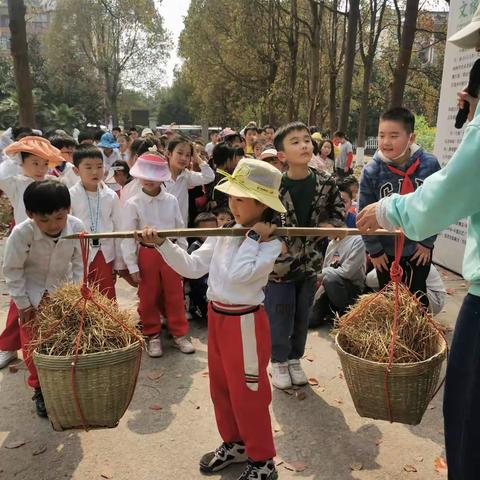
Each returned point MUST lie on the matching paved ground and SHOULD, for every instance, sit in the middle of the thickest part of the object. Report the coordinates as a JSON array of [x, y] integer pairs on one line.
[[321, 434]]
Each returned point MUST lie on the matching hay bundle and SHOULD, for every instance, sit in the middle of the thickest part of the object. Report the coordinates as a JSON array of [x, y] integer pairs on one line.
[[366, 329], [57, 322]]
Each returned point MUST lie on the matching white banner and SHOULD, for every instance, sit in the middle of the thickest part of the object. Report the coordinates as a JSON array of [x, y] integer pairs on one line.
[[450, 245]]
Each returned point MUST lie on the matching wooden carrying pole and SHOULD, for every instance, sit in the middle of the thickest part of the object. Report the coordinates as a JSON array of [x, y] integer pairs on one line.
[[237, 232]]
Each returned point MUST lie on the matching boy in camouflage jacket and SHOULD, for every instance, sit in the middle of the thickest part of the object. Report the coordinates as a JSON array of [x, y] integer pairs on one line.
[[312, 199]]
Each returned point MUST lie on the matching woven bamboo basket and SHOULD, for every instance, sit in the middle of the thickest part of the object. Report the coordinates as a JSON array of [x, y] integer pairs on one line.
[[411, 386], [104, 381]]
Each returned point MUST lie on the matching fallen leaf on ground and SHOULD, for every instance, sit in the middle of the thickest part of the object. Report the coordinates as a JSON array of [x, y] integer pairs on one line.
[[340, 375], [432, 407], [378, 442], [356, 467], [463, 284], [278, 461], [440, 465], [205, 374], [301, 395], [155, 375], [313, 382], [289, 391], [41, 449], [15, 444], [178, 375], [295, 466], [410, 468], [107, 474], [419, 459], [310, 357], [155, 407], [339, 401], [450, 291]]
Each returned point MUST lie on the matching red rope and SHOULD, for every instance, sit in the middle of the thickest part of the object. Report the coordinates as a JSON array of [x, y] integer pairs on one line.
[[87, 296], [396, 275]]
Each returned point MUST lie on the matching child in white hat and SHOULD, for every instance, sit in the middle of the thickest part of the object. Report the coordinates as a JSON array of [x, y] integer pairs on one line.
[[238, 327], [158, 284]]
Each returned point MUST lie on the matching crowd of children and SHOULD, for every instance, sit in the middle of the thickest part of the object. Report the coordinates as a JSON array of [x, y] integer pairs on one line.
[[258, 178]]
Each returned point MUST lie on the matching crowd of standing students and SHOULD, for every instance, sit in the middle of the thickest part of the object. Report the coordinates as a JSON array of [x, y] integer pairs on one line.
[[110, 181]]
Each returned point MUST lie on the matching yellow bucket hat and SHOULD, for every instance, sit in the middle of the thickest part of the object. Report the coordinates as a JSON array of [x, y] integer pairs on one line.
[[254, 179]]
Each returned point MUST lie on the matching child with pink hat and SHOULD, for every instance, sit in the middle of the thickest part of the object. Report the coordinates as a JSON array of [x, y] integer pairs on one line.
[[158, 284]]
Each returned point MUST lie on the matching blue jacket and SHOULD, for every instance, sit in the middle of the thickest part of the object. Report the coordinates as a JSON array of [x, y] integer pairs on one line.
[[377, 182]]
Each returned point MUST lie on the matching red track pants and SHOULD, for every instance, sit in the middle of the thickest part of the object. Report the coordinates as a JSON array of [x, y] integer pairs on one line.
[[161, 288], [10, 337], [100, 273], [25, 336], [238, 355]]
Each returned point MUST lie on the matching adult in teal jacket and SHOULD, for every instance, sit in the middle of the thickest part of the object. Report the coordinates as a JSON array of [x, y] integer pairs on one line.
[[447, 196]]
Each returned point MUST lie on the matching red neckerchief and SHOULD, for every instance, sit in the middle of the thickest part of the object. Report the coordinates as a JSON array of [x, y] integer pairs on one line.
[[407, 184]]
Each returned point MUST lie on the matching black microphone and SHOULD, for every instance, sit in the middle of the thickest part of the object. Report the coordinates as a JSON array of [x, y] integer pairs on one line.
[[472, 89]]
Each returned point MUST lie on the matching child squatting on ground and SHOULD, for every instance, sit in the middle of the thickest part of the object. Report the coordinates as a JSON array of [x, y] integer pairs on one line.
[[238, 326], [37, 261]]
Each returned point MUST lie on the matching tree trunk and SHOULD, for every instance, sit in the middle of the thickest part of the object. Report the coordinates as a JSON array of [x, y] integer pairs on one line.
[[293, 48], [314, 63], [353, 18], [19, 49], [362, 120], [400, 73], [332, 102]]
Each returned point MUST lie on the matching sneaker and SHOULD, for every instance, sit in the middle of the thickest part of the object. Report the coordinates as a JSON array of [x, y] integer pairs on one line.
[[154, 348], [280, 375], [259, 471], [39, 403], [296, 373], [183, 344], [223, 456], [6, 357]]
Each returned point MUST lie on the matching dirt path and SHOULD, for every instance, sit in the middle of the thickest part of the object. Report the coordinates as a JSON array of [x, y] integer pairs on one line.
[[320, 434]]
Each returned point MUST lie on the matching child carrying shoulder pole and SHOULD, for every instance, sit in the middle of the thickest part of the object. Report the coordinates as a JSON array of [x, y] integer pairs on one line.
[[238, 326]]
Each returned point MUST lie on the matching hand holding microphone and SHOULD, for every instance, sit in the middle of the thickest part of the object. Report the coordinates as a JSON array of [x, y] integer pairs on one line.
[[468, 99]]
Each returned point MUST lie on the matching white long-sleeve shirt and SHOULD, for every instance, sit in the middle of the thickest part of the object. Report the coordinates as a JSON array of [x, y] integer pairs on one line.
[[68, 177], [349, 254], [129, 190], [238, 267], [188, 179], [109, 219], [14, 186], [160, 212], [35, 263]]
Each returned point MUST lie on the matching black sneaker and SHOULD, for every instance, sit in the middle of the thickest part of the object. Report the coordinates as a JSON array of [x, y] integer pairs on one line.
[[223, 456], [259, 471], [39, 404]]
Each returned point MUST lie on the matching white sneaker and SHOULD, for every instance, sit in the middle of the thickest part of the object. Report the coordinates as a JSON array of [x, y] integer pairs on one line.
[[154, 348], [183, 344], [296, 373], [6, 357], [280, 375]]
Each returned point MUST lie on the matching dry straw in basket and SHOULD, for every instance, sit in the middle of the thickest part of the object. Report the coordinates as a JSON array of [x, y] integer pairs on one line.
[[57, 321], [367, 328]]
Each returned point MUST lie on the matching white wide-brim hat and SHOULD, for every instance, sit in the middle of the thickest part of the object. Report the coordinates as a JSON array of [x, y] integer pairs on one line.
[[254, 179], [468, 36], [151, 167]]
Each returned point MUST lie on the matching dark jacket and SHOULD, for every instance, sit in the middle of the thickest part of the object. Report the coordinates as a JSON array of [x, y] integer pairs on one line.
[[304, 258], [377, 182]]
